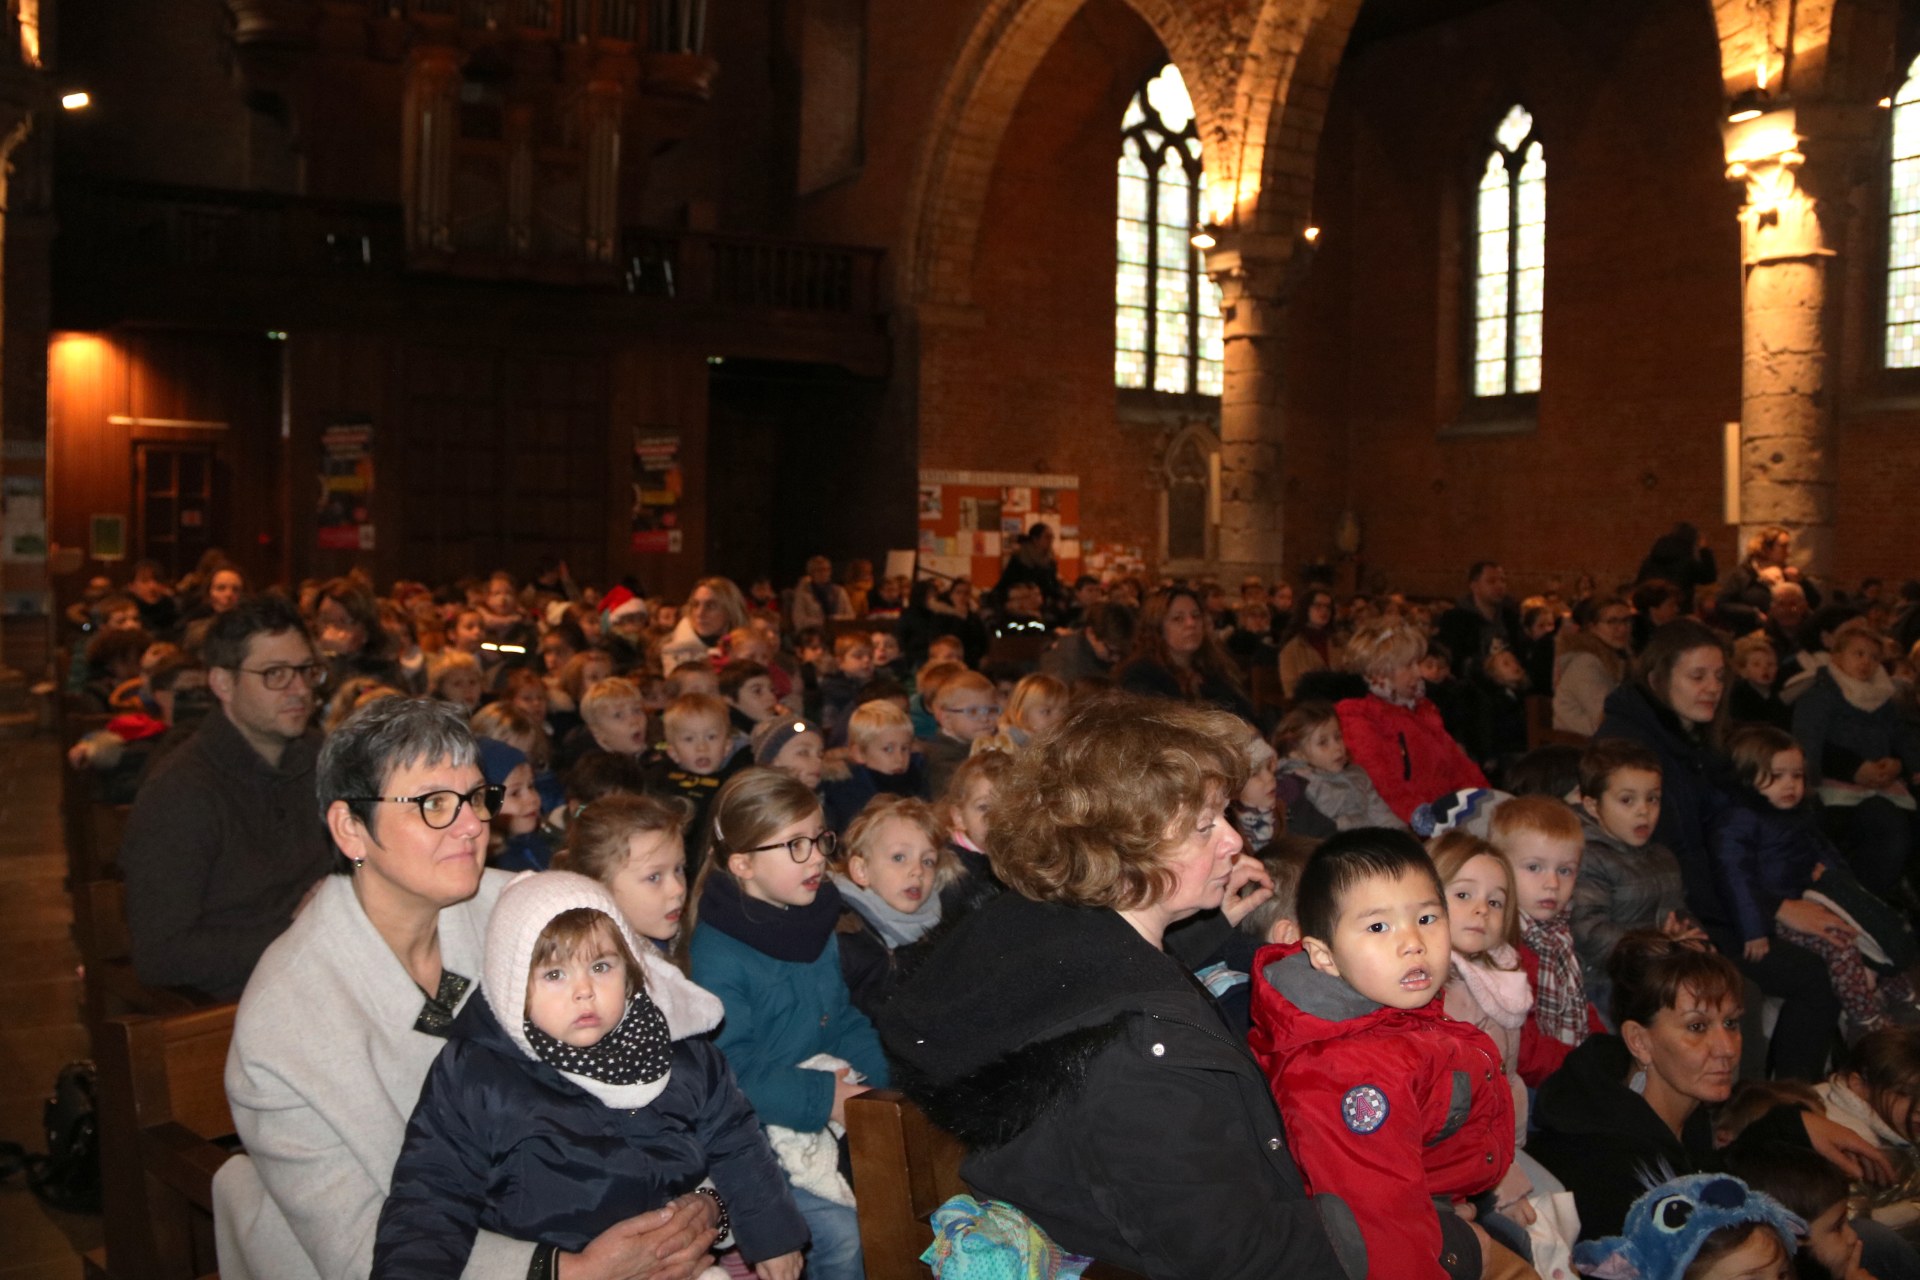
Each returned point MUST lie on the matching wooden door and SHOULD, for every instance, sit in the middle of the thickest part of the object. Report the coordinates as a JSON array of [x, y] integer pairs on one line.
[[174, 503]]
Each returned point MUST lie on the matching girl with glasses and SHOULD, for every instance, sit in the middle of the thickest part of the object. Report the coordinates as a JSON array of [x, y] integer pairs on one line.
[[764, 942], [1589, 662]]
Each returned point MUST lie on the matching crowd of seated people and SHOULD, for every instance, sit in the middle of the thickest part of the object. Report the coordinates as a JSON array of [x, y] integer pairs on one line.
[[1248, 935]]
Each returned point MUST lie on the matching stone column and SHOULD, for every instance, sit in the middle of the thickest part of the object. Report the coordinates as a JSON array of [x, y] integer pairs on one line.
[[1792, 217], [1257, 275]]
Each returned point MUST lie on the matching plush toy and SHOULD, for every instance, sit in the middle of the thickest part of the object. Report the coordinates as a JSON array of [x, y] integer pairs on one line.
[[1668, 1223]]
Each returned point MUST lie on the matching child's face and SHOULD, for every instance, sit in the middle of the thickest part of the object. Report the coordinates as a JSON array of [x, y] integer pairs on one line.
[[597, 668], [965, 714], [1477, 905], [468, 632], [1760, 1256], [1544, 870], [972, 816], [692, 679], [1434, 670], [619, 727], [947, 652], [1390, 940], [698, 744], [801, 758], [554, 652], [1857, 657], [1629, 807], [755, 699], [530, 700], [1325, 749], [771, 875], [885, 648], [889, 751], [651, 889], [1259, 794], [898, 865], [1041, 714], [1504, 669], [520, 807], [462, 686], [1788, 785], [579, 999], [1760, 666], [857, 662], [1833, 1242]]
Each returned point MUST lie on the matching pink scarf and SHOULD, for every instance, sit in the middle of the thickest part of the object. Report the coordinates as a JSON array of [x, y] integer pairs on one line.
[[1500, 988]]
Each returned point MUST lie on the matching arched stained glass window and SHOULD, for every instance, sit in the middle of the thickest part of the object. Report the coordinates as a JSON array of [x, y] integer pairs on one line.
[[1510, 257], [1903, 228], [1168, 333]]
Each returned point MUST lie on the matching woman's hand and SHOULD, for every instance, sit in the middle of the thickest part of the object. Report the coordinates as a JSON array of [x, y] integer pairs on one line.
[[1811, 917], [1756, 950], [784, 1267], [666, 1244], [842, 1090], [1241, 900], [1847, 1151]]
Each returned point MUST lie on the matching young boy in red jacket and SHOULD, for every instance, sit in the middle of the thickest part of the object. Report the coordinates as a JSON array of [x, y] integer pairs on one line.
[[1388, 1102]]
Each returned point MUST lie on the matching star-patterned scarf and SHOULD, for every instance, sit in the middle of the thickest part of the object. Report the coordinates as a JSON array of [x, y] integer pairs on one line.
[[637, 1051]]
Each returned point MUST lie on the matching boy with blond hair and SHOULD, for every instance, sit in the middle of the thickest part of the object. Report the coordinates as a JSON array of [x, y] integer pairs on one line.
[[880, 761], [965, 708], [615, 717], [699, 757], [1542, 841]]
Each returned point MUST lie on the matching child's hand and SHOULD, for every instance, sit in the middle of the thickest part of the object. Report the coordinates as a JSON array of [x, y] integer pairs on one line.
[[1246, 871], [784, 1267], [1756, 950], [842, 1090], [1681, 929]]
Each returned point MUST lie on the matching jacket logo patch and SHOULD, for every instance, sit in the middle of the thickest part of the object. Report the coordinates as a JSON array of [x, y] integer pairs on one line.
[[1364, 1108]]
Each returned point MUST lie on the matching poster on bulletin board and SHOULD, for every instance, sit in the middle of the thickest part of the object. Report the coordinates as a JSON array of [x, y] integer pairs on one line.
[[970, 521]]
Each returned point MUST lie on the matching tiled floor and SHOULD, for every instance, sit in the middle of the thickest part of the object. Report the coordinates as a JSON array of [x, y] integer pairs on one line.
[[40, 1026]]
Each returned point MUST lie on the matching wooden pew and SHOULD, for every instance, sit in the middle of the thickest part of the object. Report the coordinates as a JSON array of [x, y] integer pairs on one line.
[[106, 952], [1540, 730], [163, 1111], [905, 1167]]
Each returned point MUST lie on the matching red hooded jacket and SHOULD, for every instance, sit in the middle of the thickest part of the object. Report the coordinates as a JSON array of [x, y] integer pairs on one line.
[[1407, 752], [1386, 1108]]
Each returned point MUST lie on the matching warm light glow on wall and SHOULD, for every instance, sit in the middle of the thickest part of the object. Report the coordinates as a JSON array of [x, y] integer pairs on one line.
[[27, 12], [76, 101]]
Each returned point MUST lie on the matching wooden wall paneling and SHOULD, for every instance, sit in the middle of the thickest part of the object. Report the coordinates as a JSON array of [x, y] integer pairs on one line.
[[658, 390]]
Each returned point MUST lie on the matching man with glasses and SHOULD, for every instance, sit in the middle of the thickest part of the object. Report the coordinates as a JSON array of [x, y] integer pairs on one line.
[[225, 842]]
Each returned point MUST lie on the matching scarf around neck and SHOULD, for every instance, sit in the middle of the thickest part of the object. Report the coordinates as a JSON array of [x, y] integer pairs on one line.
[[638, 1050], [1383, 691], [796, 935], [1500, 989], [1560, 995], [1867, 695], [896, 928]]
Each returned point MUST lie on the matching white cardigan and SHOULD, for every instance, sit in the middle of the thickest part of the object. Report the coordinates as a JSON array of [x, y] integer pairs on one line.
[[322, 1076]]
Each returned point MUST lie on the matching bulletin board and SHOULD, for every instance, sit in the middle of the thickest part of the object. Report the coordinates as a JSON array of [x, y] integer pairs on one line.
[[970, 521]]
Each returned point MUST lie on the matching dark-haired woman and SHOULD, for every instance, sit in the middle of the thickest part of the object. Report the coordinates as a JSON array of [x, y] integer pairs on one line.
[[1676, 706], [1175, 655]]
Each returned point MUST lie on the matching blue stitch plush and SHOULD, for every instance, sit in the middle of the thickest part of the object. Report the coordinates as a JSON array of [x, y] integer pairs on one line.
[[1668, 1224]]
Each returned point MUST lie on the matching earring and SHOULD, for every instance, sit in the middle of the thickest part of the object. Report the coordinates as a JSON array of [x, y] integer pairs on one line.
[[359, 863]]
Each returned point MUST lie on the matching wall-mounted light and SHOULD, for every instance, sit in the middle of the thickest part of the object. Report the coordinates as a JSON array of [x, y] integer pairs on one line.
[[78, 100], [1203, 238], [276, 335], [1885, 104], [1310, 234], [1749, 105]]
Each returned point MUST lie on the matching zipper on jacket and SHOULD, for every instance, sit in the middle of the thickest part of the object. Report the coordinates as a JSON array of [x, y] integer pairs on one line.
[[1406, 759]]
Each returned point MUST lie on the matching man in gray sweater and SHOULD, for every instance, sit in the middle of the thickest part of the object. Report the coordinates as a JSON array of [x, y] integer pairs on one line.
[[224, 841]]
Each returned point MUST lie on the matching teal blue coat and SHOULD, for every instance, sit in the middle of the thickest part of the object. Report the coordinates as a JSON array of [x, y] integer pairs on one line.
[[780, 1013]]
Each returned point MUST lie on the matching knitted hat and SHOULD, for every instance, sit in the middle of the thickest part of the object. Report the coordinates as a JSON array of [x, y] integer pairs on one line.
[[1469, 810], [525, 907], [1258, 752], [498, 759], [770, 738], [557, 612]]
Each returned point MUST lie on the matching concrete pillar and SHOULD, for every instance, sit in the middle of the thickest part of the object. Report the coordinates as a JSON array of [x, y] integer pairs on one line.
[[1793, 217], [1257, 276]]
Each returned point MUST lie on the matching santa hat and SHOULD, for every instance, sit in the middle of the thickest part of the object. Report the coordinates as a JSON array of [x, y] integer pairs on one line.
[[525, 908], [620, 603]]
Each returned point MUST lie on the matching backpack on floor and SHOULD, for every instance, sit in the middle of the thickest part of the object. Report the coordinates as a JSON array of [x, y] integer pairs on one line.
[[67, 1177]]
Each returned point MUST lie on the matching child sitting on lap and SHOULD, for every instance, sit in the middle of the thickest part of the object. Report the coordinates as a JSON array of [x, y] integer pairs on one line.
[[1365, 1064], [581, 1091]]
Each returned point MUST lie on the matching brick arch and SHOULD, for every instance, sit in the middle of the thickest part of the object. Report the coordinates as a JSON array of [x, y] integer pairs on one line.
[[1839, 49], [1235, 57], [1289, 109]]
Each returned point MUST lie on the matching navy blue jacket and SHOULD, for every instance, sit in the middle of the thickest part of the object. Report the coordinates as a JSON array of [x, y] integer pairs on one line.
[[844, 798], [1839, 737], [503, 1143], [1764, 856], [1695, 785]]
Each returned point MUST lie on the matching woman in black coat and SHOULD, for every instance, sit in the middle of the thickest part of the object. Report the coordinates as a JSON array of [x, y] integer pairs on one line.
[[1625, 1103], [1675, 704], [1095, 1086]]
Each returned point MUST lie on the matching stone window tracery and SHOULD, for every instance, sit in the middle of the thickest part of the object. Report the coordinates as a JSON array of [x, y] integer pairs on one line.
[[1903, 228], [1168, 334], [1509, 251]]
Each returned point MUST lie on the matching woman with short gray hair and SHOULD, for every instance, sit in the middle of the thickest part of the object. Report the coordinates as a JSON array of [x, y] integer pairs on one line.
[[347, 1010]]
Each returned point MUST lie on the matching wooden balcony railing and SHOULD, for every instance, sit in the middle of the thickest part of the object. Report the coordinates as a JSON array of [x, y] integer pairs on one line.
[[667, 26], [743, 271]]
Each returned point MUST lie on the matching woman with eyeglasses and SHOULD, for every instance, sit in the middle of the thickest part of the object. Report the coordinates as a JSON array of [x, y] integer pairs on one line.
[[763, 914], [1590, 660], [346, 1012]]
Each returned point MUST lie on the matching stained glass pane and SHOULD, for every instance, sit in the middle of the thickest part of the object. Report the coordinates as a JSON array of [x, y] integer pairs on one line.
[[1491, 298], [1130, 286], [1170, 333], [1167, 95], [1133, 242], [1170, 374], [1529, 293], [1211, 377], [1170, 286], [1173, 243], [1510, 246], [1903, 230], [1136, 113], [1526, 375], [1526, 337], [1175, 203], [1129, 369], [1193, 148], [1490, 378], [1514, 128], [1158, 337], [1494, 248]]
